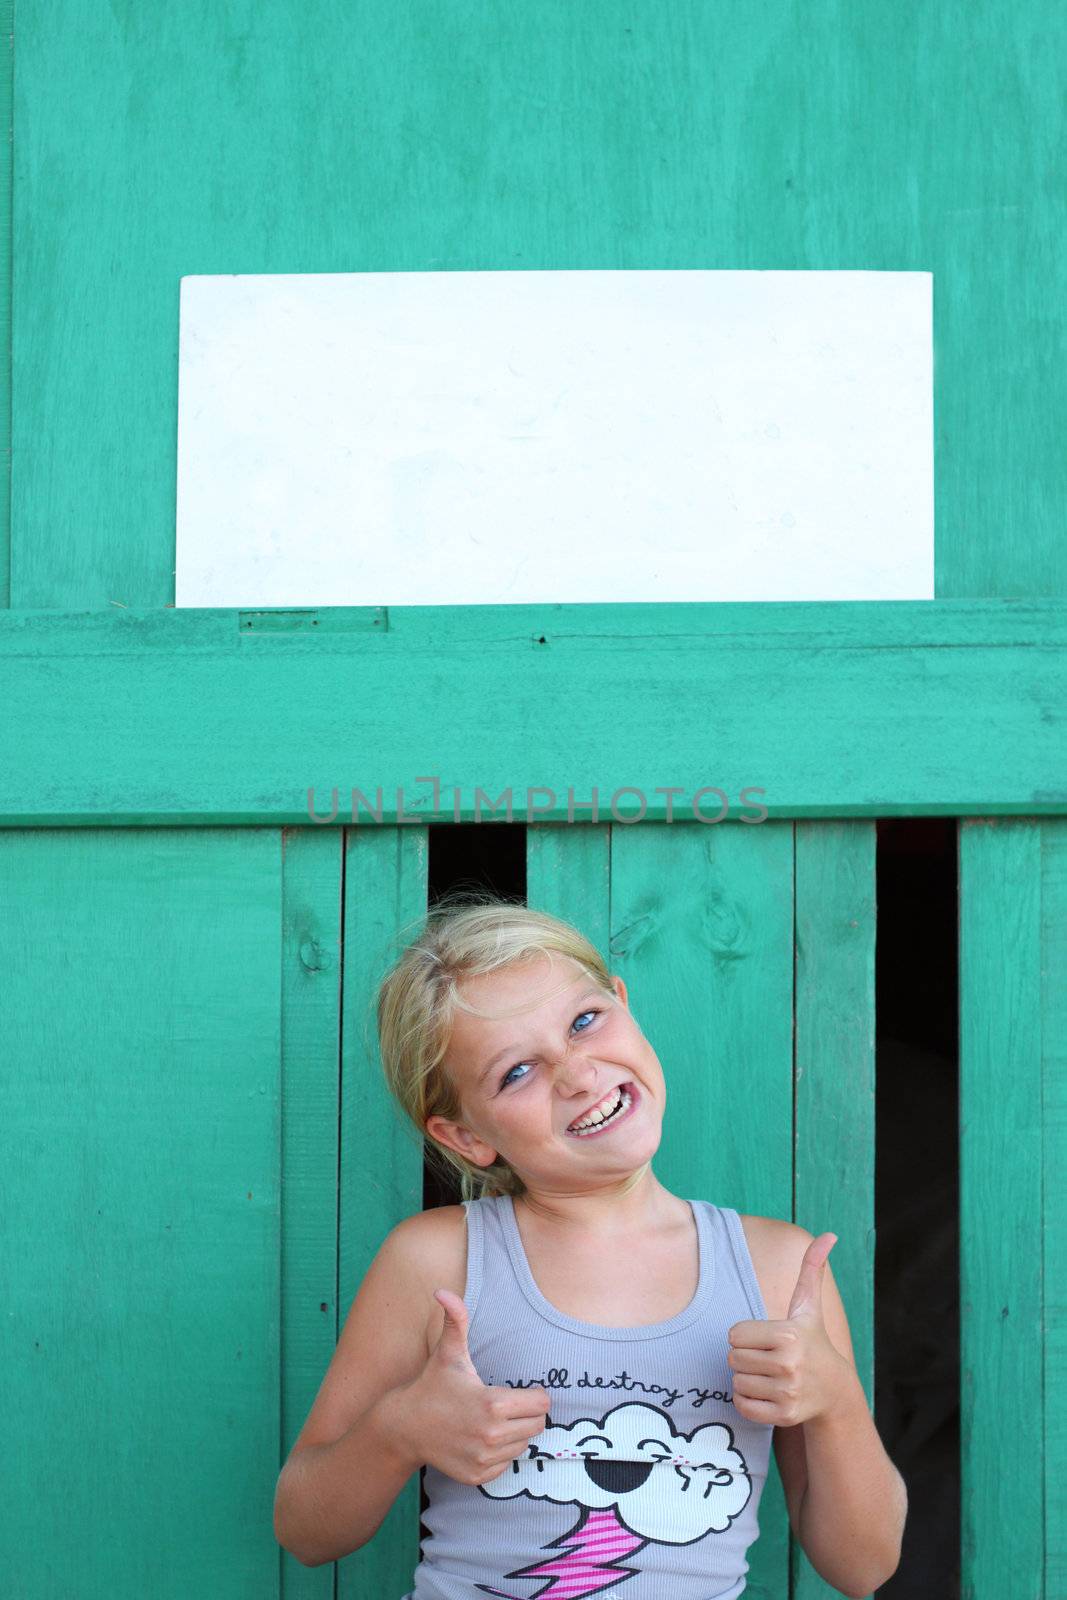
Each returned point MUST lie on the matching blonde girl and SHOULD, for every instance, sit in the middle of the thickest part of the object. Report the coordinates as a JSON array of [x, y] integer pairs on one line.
[[589, 1370]]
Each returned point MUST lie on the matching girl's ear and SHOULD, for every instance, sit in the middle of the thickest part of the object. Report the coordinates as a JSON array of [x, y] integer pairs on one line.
[[620, 990], [460, 1139]]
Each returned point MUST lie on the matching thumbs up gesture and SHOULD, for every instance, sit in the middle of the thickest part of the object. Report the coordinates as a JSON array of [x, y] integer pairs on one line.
[[789, 1372], [467, 1429]]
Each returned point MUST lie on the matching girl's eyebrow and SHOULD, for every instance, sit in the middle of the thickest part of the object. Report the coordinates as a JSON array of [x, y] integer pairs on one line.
[[515, 1049]]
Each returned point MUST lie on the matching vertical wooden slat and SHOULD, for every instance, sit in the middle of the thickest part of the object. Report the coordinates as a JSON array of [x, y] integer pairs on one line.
[[1002, 1406], [381, 1162], [568, 874], [1054, 1051], [312, 861], [140, 1207], [7, 161], [834, 1079], [702, 933]]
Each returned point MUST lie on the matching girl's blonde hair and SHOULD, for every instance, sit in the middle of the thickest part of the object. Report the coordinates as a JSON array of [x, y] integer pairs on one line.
[[465, 934]]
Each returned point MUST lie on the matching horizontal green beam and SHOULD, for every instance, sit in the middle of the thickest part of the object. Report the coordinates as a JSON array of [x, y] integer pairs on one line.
[[804, 709]]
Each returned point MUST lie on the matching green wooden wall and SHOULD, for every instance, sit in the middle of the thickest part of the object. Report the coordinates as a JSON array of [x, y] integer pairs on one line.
[[140, 1193], [200, 1157], [1013, 1206], [187, 1096]]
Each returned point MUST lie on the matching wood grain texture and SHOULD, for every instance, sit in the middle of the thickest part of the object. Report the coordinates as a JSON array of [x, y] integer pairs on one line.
[[7, 71], [868, 710], [401, 137], [1054, 1217], [1001, 1225], [139, 1191], [312, 879], [568, 874], [380, 1173], [834, 1079]]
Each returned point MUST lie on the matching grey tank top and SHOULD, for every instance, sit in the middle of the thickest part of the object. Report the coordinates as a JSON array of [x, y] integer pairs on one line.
[[645, 1476]]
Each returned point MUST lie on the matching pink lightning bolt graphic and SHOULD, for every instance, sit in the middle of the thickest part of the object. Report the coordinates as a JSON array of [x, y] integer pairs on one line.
[[588, 1566]]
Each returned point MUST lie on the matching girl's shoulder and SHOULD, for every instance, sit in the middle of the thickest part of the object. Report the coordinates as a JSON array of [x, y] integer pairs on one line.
[[436, 1241], [777, 1249]]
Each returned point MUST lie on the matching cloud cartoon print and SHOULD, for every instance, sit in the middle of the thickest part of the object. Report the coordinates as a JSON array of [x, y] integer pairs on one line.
[[604, 1466]]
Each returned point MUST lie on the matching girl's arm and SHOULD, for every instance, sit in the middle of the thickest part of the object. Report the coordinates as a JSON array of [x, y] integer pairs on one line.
[[332, 1498], [351, 1458], [847, 1502], [387, 1405], [850, 1521]]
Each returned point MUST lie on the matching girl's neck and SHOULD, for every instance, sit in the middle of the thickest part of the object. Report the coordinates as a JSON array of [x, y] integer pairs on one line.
[[609, 1211]]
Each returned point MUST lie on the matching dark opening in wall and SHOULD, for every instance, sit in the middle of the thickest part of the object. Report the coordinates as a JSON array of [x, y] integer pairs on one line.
[[917, 1367], [471, 855]]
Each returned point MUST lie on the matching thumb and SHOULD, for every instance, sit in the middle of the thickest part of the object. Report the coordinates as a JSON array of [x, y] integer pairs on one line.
[[452, 1345], [807, 1296]]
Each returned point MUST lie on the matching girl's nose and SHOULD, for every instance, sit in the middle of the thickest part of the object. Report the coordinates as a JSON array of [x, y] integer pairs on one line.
[[575, 1073]]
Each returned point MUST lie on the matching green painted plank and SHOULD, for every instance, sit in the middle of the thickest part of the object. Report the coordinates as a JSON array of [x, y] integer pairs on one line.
[[385, 889], [834, 1073], [311, 1033], [7, 72], [1001, 1210], [568, 874], [745, 625], [1054, 1050], [702, 933], [139, 1191], [403, 137], [158, 717]]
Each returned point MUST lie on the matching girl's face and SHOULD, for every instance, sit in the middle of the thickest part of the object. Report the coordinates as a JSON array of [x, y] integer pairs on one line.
[[524, 1080]]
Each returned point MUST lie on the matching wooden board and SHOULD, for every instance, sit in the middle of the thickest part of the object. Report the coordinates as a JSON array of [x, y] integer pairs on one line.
[[380, 1173], [1002, 1366], [313, 878], [834, 1134], [1054, 1214], [789, 710], [140, 1250]]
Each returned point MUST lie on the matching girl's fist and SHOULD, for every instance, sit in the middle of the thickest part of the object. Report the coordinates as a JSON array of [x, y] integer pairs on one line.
[[789, 1372], [465, 1428]]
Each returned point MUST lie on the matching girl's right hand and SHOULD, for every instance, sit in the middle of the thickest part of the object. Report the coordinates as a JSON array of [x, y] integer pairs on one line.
[[465, 1428]]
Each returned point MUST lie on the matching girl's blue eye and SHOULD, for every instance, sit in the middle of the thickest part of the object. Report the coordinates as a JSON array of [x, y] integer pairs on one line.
[[504, 1084]]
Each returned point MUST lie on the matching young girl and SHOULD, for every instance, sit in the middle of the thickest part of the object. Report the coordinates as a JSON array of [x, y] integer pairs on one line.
[[590, 1369]]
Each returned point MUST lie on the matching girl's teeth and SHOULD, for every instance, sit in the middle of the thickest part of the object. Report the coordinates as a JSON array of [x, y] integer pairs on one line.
[[619, 1102]]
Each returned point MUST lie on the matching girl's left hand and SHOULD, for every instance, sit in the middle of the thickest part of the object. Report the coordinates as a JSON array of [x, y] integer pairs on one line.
[[789, 1372]]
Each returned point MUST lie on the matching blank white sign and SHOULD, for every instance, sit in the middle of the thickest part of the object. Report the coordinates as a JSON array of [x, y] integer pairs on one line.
[[456, 438]]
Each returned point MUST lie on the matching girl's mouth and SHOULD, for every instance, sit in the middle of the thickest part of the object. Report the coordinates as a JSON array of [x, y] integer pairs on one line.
[[618, 1105]]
